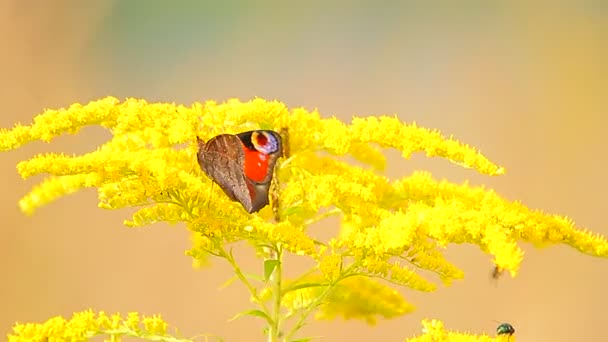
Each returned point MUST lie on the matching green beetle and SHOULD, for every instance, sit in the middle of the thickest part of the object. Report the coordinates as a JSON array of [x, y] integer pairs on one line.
[[505, 329]]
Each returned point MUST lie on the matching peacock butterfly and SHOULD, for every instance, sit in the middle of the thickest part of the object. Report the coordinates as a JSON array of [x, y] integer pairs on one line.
[[242, 164]]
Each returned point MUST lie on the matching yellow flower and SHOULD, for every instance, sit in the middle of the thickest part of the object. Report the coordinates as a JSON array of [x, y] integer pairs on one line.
[[331, 266], [390, 132], [434, 331], [84, 325], [352, 298], [389, 229]]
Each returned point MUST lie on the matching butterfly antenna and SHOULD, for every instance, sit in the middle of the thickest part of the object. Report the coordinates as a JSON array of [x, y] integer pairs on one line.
[[188, 123]]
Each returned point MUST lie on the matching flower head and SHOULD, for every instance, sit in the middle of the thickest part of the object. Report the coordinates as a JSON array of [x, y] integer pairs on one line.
[[86, 324], [389, 229]]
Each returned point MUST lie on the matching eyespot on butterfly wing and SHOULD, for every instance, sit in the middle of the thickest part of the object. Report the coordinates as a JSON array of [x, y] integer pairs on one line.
[[242, 165]]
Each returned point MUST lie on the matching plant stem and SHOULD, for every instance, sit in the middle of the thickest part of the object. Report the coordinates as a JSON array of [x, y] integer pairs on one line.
[[276, 277], [300, 323], [237, 270]]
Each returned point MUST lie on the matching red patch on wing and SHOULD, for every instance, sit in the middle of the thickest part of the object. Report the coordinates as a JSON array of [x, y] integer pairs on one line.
[[256, 165]]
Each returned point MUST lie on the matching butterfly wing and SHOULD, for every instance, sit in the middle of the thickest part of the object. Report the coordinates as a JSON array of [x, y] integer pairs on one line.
[[221, 158], [262, 149], [242, 165]]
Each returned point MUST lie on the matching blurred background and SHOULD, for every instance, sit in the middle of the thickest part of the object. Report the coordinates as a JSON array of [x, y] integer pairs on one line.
[[526, 83]]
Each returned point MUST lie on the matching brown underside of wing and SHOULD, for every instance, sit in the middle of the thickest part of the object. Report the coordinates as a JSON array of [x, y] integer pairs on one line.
[[222, 159]]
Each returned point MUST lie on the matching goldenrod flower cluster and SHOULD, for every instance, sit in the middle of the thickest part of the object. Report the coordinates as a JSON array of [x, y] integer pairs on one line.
[[434, 331], [87, 324], [389, 229], [353, 298]]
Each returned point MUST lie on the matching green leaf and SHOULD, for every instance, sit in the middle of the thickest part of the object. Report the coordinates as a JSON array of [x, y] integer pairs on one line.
[[229, 282], [269, 266], [253, 276], [302, 286], [305, 339], [256, 313]]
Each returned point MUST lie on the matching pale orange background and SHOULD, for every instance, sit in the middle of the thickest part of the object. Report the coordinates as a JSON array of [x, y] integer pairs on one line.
[[527, 84]]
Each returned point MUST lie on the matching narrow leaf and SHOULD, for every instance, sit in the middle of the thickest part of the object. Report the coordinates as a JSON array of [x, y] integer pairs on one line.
[[256, 313], [269, 266], [302, 286]]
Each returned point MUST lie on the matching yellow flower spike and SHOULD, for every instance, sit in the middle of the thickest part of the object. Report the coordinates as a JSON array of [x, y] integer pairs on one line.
[[395, 273], [155, 325], [391, 132], [323, 182], [157, 213], [351, 298], [103, 320], [393, 233], [304, 130], [132, 321], [55, 187], [451, 213], [334, 136], [84, 325], [53, 123], [200, 252], [434, 261], [388, 229], [452, 222], [125, 194], [302, 298], [292, 238], [325, 190], [257, 113], [434, 331], [331, 266], [368, 154], [363, 298], [116, 321]]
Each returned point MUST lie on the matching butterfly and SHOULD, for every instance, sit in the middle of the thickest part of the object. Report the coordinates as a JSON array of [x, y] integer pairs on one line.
[[242, 164]]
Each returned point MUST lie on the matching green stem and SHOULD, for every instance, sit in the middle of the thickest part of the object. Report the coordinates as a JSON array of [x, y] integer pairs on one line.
[[304, 315], [237, 270], [276, 277], [299, 279]]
